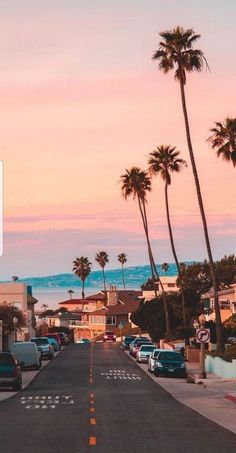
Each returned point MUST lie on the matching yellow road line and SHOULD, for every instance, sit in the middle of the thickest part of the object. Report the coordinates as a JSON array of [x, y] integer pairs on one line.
[[93, 421], [92, 440]]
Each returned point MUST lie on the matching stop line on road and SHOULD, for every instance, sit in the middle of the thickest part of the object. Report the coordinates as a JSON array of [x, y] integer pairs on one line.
[[121, 375], [45, 401]]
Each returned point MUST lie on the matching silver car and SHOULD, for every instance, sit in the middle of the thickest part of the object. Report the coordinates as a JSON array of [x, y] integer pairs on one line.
[[152, 359], [144, 352], [44, 347]]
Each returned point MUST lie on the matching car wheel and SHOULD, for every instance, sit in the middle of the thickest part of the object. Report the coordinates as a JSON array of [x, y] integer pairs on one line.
[[156, 373]]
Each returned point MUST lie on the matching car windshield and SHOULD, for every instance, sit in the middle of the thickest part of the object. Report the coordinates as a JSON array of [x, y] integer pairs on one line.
[[40, 341], [128, 339], [170, 356], [147, 348], [6, 359], [156, 353]]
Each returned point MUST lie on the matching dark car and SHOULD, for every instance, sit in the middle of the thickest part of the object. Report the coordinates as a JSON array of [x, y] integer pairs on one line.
[[10, 371], [56, 336], [109, 336], [170, 363], [126, 341]]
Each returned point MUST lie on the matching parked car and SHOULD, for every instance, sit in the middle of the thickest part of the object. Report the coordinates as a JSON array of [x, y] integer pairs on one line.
[[54, 344], [27, 354], [55, 336], [126, 341], [152, 359], [44, 347], [133, 343], [10, 371], [109, 336], [64, 338], [144, 351], [134, 347], [170, 363], [83, 341]]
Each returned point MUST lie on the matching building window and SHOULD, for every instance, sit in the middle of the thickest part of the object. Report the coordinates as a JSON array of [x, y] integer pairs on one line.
[[171, 285], [111, 320]]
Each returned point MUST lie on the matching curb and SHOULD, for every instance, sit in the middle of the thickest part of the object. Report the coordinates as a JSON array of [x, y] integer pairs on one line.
[[231, 397]]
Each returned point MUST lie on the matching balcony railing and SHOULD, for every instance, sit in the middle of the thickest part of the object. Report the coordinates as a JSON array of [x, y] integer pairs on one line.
[[79, 323]]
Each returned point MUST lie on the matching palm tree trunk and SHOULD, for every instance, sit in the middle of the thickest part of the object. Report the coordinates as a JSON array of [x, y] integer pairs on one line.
[[219, 332], [123, 274], [156, 275], [174, 252], [104, 281], [83, 295]]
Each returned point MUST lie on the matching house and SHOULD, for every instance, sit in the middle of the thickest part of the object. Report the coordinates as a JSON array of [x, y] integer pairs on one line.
[[227, 302], [169, 285], [88, 304], [19, 295], [115, 311]]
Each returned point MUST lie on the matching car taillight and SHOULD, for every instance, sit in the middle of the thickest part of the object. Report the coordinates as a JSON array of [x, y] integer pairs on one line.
[[14, 372]]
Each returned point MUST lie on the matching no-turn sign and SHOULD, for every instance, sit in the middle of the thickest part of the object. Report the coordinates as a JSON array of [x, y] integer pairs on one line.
[[203, 335]]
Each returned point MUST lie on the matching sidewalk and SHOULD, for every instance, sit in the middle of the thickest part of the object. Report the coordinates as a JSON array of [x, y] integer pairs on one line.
[[214, 397]]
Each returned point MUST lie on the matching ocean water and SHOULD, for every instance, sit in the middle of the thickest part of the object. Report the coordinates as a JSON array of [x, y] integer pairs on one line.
[[51, 290]]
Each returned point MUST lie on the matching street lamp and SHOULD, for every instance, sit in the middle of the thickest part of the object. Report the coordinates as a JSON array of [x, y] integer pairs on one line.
[[15, 322], [202, 371]]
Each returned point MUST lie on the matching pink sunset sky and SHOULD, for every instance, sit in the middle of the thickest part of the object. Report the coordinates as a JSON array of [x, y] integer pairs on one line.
[[81, 101]]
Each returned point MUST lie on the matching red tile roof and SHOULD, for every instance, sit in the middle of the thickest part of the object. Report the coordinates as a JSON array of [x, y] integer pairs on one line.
[[76, 301]]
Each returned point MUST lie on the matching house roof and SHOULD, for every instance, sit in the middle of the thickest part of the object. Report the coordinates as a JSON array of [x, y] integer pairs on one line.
[[31, 299], [98, 296], [119, 309], [76, 301]]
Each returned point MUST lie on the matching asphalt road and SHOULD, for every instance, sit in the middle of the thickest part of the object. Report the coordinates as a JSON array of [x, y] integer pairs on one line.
[[96, 398]]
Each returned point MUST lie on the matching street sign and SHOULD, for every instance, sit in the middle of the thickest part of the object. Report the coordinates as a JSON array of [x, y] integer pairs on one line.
[[203, 335]]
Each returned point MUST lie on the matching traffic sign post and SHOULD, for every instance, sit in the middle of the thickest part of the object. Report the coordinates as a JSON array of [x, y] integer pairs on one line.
[[203, 335]]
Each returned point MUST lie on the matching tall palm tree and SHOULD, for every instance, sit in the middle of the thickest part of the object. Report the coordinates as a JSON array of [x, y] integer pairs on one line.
[[82, 268], [102, 259], [70, 292], [223, 140], [163, 161], [176, 52], [136, 183], [165, 267], [122, 258]]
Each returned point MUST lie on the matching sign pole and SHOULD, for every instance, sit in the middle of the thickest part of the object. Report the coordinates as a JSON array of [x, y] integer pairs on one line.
[[203, 338]]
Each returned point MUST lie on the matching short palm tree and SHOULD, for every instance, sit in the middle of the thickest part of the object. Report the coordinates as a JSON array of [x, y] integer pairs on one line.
[[122, 258], [223, 140], [70, 292], [163, 161], [82, 268], [102, 259], [136, 183], [176, 53]]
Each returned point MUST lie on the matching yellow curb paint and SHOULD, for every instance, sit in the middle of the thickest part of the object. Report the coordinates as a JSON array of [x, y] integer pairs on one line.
[[92, 440], [93, 421]]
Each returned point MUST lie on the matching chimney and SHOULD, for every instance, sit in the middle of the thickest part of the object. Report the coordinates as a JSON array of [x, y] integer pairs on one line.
[[112, 296]]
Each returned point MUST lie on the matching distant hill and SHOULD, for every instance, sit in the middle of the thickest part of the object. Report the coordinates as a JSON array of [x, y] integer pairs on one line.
[[134, 277]]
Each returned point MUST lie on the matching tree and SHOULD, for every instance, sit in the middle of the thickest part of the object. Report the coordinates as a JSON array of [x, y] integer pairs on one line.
[[163, 161], [137, 183], [165, 267], [82, 268], [122, 258], [70, 292], [15, 278], [7, 314], [176, 52], [102, 259], [223, 140]]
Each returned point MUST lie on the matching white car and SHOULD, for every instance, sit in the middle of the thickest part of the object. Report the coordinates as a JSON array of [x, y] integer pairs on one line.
[[152, 359], [144, 352], [44, 347]]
